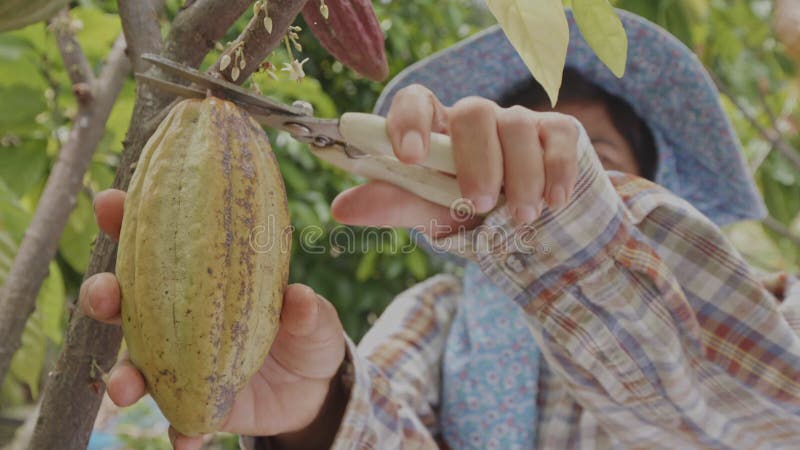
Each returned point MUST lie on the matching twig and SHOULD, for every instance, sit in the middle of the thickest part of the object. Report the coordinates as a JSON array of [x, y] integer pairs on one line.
[[74, 60], [256, 43], [762, 98], [773, 136], [781, 229], [38, 247]]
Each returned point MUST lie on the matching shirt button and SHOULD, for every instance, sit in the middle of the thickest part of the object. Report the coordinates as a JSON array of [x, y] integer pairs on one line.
[[515, 262]]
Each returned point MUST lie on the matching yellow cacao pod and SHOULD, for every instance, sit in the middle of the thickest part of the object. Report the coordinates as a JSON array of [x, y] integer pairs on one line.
[[203, 260], [16, 14]]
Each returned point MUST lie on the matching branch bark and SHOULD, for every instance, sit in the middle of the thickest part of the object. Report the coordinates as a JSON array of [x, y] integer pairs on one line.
[[39, 245], [257, 44], [140, 25], [201, 24], [75, 387], [71, 53]]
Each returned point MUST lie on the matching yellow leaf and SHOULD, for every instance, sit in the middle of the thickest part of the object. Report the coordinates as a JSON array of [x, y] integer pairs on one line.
[[539, 32], [603, 30]]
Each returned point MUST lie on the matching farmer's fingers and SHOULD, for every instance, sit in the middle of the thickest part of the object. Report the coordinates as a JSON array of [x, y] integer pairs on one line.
[[477, 151], [524, 177], [300, 312], [125, 384], [108, 206], [380, 204], [310, 340], [181, 442], [99, 298], [559, 138], [415, 113]]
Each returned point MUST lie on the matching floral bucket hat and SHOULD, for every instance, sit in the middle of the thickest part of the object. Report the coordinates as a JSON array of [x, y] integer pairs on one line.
[[699, 155]]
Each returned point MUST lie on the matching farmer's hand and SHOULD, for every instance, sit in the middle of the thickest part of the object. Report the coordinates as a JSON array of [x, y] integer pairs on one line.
[[532, 155], [289, 390]]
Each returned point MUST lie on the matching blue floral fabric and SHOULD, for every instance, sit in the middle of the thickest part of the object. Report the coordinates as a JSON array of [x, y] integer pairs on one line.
[[490, 372]]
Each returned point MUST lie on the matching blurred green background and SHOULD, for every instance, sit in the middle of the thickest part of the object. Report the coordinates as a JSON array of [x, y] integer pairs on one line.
[[733, 38]]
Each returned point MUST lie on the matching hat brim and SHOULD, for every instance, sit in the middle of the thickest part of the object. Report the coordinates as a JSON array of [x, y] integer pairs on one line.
[[699, 155]]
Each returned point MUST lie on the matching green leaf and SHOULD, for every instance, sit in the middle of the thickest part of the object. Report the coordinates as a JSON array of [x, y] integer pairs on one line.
[[539, 32], [76, 242], [13, 47], [695, 9], [23, 166], [366, 267], [21, 104], [417, 264], [308, 90], [303, 215], [98, 32], [603, 30], [28, 361], [14, 218], [120, 117], [294, 178], [50, 305]]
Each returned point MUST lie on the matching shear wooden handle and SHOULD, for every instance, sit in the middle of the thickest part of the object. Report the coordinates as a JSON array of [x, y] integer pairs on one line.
[[367, 132], [427, 183]]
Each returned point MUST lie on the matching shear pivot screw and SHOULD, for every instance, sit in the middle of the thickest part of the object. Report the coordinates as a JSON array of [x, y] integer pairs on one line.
[[308, 110]]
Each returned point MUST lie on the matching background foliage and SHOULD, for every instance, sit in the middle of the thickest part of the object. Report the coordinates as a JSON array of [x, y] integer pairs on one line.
[[732, 38]]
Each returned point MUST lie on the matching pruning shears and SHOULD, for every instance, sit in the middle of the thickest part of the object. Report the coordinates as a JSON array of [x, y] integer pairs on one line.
[[357, 143]]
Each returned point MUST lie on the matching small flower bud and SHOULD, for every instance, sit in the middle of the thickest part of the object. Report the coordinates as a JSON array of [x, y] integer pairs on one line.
[[224, 62]]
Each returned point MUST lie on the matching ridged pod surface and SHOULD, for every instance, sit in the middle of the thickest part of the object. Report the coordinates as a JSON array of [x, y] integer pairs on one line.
[[351, 33], [203, 260], [16, 14]]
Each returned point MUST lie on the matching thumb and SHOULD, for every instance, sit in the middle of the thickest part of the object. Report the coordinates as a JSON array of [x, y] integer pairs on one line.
[[310, 339], [380, 204]]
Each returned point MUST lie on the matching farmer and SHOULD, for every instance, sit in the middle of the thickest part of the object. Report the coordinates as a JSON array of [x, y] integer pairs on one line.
[[628, 321]]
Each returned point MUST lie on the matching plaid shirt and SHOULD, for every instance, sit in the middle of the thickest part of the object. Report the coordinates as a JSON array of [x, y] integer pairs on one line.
[[655, 333]]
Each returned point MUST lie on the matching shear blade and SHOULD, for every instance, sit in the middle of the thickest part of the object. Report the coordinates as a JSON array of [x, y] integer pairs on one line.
[[173, 88], [223, 87]]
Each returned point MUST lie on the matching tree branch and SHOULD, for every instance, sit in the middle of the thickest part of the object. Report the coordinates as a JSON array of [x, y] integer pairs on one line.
[[71, 53], [38, 247], [772, 135], [141, 28], [199, 26]]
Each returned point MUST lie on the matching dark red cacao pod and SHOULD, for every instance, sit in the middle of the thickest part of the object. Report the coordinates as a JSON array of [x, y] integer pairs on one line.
[[351, 34]]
